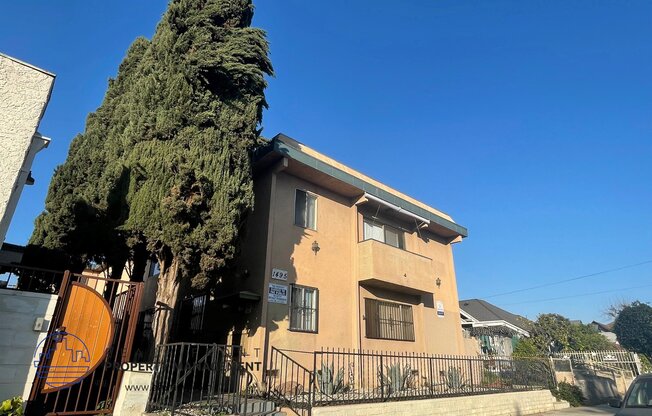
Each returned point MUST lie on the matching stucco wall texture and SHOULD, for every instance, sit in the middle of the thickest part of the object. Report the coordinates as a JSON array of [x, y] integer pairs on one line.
[[24, 94], [19, 339]]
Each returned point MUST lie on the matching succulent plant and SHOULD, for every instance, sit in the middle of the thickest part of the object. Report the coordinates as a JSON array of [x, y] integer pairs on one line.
[[328, 382], [395, 378]]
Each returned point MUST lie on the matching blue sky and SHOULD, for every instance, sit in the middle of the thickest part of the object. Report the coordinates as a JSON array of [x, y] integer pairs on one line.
[[529, 122]]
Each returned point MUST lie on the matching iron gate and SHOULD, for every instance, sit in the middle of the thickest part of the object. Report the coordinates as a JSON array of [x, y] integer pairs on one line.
[[79, 368], [208, 378]]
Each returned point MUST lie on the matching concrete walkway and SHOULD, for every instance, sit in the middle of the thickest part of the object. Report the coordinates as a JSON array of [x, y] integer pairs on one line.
[[583, 411]]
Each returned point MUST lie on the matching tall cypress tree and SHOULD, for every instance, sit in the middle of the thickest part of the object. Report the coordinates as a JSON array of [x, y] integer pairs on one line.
[[164, 163]]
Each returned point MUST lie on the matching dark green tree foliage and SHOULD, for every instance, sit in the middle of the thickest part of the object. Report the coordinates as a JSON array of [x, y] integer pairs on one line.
[[633, 327], [164, 163], [555, 333]]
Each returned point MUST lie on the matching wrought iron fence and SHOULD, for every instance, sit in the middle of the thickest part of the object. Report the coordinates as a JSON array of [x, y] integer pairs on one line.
[[620, 360], [289, 383], [191, 378], [339, 376], [30, 279]]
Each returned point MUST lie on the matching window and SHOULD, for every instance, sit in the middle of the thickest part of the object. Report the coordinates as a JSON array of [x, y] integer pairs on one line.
[[383, 233], [388, 320], [305, 210], [640, 394], [303, 308]]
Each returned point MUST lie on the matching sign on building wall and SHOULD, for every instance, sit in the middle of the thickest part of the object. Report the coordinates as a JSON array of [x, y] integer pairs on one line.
[[279, 274], [440, 309], [277, 293]]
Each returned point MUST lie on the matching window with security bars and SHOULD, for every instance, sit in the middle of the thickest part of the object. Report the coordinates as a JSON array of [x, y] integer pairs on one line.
[[304, 308], [388, 320]]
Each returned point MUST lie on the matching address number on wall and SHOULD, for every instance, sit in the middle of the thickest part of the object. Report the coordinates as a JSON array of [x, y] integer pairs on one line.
[[279, 274]]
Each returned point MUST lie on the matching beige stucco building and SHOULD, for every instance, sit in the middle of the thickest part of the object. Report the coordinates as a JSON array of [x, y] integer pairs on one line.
[[24, 94], [333, 258]]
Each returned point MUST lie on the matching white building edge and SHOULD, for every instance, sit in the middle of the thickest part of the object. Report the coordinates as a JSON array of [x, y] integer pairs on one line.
[[24, 95]]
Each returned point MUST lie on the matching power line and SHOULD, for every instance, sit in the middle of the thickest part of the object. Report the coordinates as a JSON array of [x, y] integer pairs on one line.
[[629, 266], [578, 296]]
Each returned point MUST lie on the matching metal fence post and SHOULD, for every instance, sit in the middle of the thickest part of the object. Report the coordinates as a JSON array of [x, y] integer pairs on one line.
[[176, 381], [471, 373], [382, 379], [313, 381]]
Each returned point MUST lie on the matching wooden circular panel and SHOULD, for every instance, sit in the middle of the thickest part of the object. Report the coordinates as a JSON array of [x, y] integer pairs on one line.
[[88, 324]]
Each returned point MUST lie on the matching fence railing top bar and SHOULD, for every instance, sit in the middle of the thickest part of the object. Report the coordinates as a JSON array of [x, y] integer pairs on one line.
[[291, 360], [36, 269], [405, 355], [106, 279], [198, 344]]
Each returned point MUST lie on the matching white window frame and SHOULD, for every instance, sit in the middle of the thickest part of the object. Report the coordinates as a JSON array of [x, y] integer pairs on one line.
[[401, 233], [311, 195], [298, 326]]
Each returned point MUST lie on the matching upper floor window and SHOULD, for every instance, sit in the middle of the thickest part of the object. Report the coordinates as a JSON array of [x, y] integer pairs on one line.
[[388, 320], [383, 233], [305, 210], [304, 308]]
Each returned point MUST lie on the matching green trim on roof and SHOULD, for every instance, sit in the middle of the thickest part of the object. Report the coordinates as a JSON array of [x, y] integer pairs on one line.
[[296, 154]]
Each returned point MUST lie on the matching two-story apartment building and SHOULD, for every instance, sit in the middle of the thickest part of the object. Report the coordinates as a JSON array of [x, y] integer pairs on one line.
[[333, 258]]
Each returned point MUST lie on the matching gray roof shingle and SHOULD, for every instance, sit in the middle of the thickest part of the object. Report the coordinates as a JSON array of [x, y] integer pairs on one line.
[[485, 311]]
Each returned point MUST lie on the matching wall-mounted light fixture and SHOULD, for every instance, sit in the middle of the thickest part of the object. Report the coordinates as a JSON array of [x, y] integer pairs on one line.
[[315, 247], [438, 282]]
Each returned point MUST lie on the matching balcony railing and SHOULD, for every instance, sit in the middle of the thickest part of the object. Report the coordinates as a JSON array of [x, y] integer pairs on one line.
[[381, 264], [30, 279]]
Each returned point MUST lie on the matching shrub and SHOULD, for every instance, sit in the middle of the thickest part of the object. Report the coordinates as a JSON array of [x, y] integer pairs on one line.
[[569, 392], [645, 363], [12, 407]]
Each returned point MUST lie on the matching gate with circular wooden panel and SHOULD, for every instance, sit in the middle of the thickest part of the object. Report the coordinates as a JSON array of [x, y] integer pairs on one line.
[[78, 369]]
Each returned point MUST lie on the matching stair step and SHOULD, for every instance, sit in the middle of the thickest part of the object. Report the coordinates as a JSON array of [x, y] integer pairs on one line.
[[257, 406]]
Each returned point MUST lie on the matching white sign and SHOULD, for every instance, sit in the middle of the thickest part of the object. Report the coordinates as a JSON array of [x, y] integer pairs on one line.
[[277, 294], [440, 309], [279, 274]]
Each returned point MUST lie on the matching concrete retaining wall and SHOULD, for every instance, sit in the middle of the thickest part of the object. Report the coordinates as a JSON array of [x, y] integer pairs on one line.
[[133, 393], [503, 404], [18, 339]]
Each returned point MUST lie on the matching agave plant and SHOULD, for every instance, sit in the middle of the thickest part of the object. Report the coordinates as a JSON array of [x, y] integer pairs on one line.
[[454, 379], [328, 382], [395, 378]]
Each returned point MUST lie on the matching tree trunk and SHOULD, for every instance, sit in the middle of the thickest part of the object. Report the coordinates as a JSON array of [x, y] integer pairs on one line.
[[170, 291], [140, 256]]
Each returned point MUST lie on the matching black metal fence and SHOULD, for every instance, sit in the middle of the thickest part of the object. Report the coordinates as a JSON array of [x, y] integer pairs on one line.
[[303, 380], [192, 379], [30, 279]]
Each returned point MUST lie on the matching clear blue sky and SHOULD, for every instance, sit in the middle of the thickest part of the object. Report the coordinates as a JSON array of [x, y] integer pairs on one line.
[[529, 122]]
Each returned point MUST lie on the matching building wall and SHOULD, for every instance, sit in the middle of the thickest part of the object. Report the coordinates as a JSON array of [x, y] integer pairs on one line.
[[330, 270], [18, 339], [24, 93], [273, 241]]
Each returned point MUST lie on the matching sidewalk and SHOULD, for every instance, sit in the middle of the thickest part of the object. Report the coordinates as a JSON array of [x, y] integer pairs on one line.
[[602, 410]]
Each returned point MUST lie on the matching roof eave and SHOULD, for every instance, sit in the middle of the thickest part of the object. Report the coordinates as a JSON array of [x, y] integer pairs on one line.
[[285, 150]]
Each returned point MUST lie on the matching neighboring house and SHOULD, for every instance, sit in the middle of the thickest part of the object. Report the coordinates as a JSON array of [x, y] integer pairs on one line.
[[333, 258], [492, 330], [606, 330], [24, 94]]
